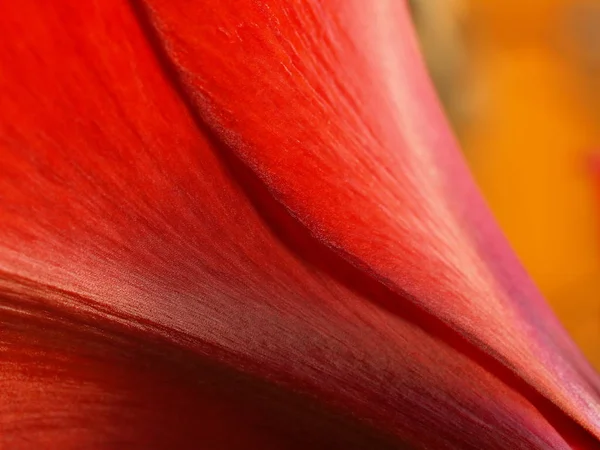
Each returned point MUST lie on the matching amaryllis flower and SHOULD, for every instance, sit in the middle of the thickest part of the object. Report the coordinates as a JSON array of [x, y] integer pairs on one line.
[[244, 224]]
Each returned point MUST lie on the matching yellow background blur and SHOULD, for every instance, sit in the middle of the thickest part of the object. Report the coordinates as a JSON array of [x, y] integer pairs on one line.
[[521, 82]]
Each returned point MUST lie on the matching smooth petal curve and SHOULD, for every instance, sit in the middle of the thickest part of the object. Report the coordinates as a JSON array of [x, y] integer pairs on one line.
[[349, 92], [134, 206], [71, 384]]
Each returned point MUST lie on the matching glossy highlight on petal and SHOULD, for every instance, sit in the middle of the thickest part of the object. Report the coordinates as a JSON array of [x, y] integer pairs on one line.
[[251, 216]]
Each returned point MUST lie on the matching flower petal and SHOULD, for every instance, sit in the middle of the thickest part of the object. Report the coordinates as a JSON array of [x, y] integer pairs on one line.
[[344, 131], [71, 384], [128, 204]]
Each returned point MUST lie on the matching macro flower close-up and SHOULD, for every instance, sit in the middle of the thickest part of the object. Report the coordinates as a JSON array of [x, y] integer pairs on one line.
[[247, 224]]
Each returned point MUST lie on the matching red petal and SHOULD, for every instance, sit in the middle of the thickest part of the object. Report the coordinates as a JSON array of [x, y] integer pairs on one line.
[[70, 384], [125, 187], [342, 108]]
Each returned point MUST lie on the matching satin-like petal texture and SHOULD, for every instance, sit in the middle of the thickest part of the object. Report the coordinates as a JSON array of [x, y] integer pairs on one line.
[[244, 224]]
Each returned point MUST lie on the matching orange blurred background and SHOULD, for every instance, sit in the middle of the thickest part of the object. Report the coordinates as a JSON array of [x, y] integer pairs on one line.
[[520, 80]]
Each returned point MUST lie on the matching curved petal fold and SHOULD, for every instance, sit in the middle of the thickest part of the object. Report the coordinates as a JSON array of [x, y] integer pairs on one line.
[[264, 188]]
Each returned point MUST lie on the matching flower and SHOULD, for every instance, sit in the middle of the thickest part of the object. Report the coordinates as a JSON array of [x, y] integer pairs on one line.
[[246, 225]]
